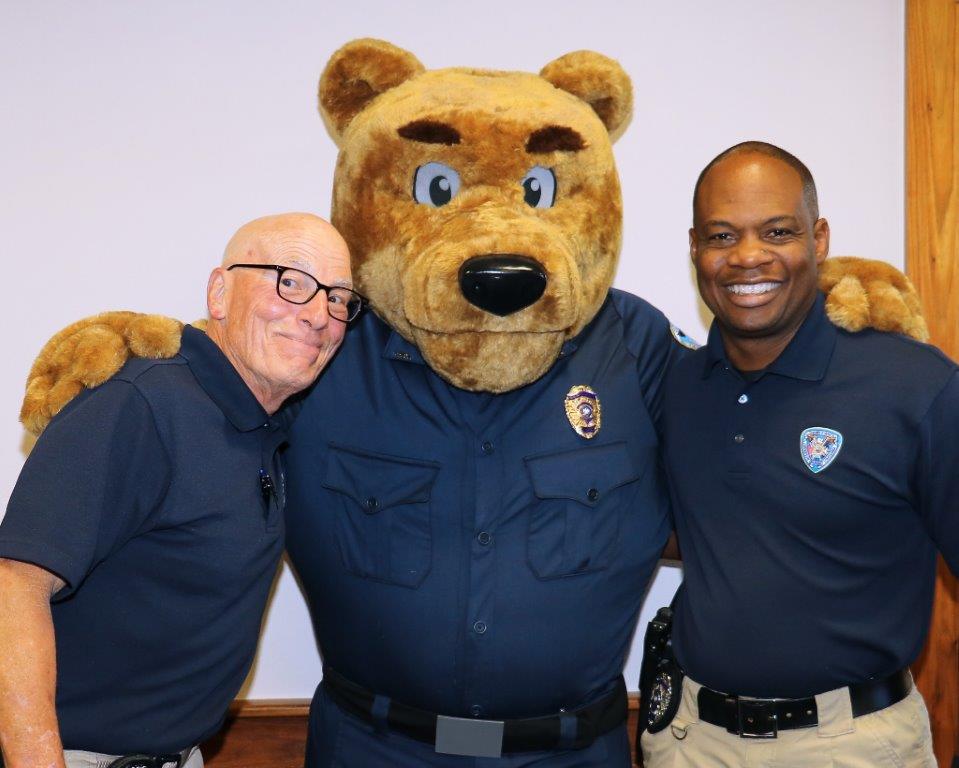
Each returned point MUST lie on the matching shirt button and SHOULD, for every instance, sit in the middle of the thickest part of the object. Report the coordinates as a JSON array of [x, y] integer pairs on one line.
[[372, 504], [739, 438], [592, 494], [743, 399], [476, 710], [480, 627], [484, 537], [487, 447]]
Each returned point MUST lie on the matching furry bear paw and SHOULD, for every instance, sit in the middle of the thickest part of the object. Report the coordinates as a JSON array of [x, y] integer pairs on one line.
[[862, 293], [87, 353]]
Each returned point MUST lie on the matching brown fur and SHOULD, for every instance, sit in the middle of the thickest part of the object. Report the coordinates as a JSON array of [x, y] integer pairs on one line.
[[407, 256], [554, 138], [358, 73], [863, 293], [429, 132], [389, 117], [597, 80], [87, 353]]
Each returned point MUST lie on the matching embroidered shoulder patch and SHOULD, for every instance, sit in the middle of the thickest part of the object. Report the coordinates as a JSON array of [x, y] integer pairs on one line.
[[819, 446], [682, 338]]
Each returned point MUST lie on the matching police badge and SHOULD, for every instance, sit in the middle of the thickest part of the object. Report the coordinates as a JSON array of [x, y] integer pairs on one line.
[[819, 446], [583, 410]]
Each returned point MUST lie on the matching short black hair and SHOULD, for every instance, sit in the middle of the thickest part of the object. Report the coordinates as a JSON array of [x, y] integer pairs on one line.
[[810, 197]]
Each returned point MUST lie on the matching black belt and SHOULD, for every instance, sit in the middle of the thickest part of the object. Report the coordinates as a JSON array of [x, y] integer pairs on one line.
[[763, 718], [482, 738]]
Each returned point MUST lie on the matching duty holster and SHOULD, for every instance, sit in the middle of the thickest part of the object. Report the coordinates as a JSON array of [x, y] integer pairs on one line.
[[660, 676]]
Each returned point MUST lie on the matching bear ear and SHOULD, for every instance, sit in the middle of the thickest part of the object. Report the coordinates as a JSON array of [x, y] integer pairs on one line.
[[356, 74], [599, 81]]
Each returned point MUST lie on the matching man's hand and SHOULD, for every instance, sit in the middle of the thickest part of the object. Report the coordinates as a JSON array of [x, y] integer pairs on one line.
[[861, 293], [29, 734], [88, 353]]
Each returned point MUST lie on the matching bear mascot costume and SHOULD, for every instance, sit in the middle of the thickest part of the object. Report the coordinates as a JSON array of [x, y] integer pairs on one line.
[[474, 503]]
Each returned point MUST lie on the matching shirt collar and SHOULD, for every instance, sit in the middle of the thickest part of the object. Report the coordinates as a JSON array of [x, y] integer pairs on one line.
[[220, 380], [806, 356]]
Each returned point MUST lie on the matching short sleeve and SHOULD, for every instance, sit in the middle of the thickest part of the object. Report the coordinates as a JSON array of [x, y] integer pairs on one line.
[[88, 486], [937, 478], [657, 345]]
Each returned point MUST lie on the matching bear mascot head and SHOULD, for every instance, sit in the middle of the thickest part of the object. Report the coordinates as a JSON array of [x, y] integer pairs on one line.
[[482, 208]]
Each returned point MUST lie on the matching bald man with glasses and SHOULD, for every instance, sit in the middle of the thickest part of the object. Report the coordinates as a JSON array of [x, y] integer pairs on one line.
[[144, 532]]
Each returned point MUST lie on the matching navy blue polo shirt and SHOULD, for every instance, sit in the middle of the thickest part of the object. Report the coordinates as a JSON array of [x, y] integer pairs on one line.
[[144, 496], [471, 554], [809, 505]]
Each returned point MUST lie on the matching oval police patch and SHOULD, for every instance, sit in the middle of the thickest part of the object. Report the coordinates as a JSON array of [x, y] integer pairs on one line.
[[687, 341], [819, 446]]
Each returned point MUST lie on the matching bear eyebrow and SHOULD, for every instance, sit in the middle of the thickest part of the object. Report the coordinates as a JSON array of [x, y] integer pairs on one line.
[[554, 138], [430, 132]]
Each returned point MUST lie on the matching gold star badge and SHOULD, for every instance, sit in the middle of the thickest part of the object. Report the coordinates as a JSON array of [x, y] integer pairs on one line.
[[583, 410]]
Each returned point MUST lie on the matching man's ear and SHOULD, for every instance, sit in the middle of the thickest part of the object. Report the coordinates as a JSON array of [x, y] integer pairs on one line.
[[356, 74], [693, 245], [820, 233], [216, 291], [599, 81]]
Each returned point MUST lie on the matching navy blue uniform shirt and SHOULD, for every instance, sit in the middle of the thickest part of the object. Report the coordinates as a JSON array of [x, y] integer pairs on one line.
[[470, 554], [144, 496], [809, 505]]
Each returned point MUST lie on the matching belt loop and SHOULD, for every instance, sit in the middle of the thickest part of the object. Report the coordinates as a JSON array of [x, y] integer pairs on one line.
[[568, 730], [379, 713], [835, 713]]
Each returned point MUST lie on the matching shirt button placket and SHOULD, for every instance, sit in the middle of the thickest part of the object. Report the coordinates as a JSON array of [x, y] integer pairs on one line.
[[481, 600]]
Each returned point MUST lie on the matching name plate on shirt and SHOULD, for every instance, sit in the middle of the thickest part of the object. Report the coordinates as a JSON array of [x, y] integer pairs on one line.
[[469, 737]]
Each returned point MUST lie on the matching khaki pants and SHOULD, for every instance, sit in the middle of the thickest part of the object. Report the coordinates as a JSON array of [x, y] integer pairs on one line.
[[78, 759], [895, 736]]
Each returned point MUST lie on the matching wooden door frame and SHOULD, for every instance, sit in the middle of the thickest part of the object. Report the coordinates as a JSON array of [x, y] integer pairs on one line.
[[932, 261]]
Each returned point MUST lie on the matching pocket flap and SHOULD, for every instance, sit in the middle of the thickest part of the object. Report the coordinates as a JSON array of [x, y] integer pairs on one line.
[[583, 474], [378, 481]]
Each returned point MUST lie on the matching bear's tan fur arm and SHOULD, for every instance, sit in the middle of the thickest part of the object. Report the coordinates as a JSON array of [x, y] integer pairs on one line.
[[862, 293], [87, 353]]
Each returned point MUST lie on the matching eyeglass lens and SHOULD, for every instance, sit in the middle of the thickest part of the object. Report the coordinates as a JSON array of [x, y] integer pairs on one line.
[[299, 287]]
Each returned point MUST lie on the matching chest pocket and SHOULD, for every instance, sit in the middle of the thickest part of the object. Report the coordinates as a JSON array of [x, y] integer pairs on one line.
[[383, 520], [579, 500]]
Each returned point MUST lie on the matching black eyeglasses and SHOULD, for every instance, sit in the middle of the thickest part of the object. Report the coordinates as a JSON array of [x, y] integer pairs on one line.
[[299, 287]]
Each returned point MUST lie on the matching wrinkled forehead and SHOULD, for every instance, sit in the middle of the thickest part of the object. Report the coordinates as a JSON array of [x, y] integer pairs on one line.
[[319, 252]]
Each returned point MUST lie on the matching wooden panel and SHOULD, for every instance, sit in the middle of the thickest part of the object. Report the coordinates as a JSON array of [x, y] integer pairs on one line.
[[272, 734], [261, 734], [932, 258]]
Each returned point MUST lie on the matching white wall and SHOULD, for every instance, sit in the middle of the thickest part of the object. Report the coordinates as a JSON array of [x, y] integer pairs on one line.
[[136, 136]]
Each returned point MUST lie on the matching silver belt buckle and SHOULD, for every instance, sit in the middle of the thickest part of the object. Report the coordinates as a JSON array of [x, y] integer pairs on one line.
[[469, 737]]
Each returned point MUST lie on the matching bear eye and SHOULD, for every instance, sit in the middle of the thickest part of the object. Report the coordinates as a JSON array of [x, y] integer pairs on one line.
[[435, 184], [539, 187]]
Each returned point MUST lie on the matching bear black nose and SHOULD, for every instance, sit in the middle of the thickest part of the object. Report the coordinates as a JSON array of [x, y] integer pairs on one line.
[[502, 283]]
